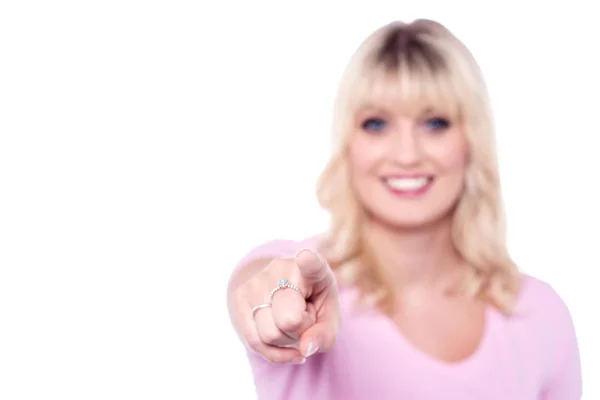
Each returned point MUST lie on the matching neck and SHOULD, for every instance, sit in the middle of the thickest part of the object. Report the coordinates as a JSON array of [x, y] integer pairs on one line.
[[423, 257]]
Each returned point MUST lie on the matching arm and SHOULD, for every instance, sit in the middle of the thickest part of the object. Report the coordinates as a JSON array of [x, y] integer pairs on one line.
[[565, 381], [279, 381]]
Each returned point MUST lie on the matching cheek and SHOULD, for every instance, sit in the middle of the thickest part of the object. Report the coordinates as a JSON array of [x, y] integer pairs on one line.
[[359, 160], [455, 163], [452, 163], [364, 160], [452, 156], [364, 155]]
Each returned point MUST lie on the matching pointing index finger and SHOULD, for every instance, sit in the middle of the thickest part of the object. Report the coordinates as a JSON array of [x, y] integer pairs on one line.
[[313, 268]]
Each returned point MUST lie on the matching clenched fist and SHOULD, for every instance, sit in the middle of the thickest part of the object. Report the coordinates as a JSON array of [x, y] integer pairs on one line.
[[289, 310]]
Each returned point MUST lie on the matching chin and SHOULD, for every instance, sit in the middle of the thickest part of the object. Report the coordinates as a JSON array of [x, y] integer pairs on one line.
[[411, 221]]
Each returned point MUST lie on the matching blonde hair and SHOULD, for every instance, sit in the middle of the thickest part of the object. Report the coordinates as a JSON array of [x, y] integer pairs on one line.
[[429, 65]]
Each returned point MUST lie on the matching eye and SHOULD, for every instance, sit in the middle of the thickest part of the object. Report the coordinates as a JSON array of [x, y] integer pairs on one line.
[[437, 124], [374, 125]]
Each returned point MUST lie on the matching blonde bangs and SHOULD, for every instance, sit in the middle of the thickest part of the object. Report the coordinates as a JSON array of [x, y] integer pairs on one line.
[[411, 89]]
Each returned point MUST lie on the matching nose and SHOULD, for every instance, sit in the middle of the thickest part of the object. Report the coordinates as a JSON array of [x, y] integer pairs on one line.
[[405, 149]]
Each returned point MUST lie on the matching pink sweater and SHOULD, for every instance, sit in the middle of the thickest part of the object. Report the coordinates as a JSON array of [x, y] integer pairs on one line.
[[532, 355]]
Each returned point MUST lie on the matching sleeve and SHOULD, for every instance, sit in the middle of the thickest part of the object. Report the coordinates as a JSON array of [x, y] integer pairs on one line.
[[287, 381], [565, 382]]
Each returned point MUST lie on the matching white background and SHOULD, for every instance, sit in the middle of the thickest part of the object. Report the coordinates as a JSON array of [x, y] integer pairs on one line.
[[146, 146]]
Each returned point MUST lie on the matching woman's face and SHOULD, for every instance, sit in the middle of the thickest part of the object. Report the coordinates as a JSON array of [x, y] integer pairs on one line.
[[407, 171]]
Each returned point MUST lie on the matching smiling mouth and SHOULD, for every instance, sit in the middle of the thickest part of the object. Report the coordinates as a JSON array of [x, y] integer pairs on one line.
[[408, 184]]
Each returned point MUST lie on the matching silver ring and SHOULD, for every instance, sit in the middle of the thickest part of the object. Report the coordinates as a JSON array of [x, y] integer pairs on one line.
[[260, 306], [283, 284]]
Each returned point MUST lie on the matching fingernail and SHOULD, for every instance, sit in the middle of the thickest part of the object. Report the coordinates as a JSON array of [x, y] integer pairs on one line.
[[312, 349], [298, 360], [300, 251]]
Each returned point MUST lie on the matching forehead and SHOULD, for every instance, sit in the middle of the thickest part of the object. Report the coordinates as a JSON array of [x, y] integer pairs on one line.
[[408, 93]]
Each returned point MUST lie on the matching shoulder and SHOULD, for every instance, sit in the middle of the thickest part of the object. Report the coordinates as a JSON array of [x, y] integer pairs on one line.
[[545, 319], [541, 307], [538, 299]]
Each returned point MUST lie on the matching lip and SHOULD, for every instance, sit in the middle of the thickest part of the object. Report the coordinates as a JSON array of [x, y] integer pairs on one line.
[[408, 193], [407, 176]]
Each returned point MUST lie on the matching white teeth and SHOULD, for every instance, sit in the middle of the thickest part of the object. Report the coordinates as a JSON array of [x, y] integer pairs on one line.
[[407, 183]]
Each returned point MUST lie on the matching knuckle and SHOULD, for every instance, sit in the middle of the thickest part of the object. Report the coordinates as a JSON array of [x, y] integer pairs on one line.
[[283, 264], [279, 265], [253, 284], [274, 263], [270, 336], [289, 322]]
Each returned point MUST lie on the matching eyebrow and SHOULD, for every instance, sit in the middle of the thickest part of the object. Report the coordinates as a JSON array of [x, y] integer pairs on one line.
[[365, 111], [372, 109], [428, 111]]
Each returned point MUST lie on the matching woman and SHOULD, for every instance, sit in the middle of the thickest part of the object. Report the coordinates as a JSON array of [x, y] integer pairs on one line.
[[412, 293]]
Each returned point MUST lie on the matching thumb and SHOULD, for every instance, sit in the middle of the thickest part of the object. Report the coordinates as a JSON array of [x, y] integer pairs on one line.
[[313, 267], [318, 338]]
